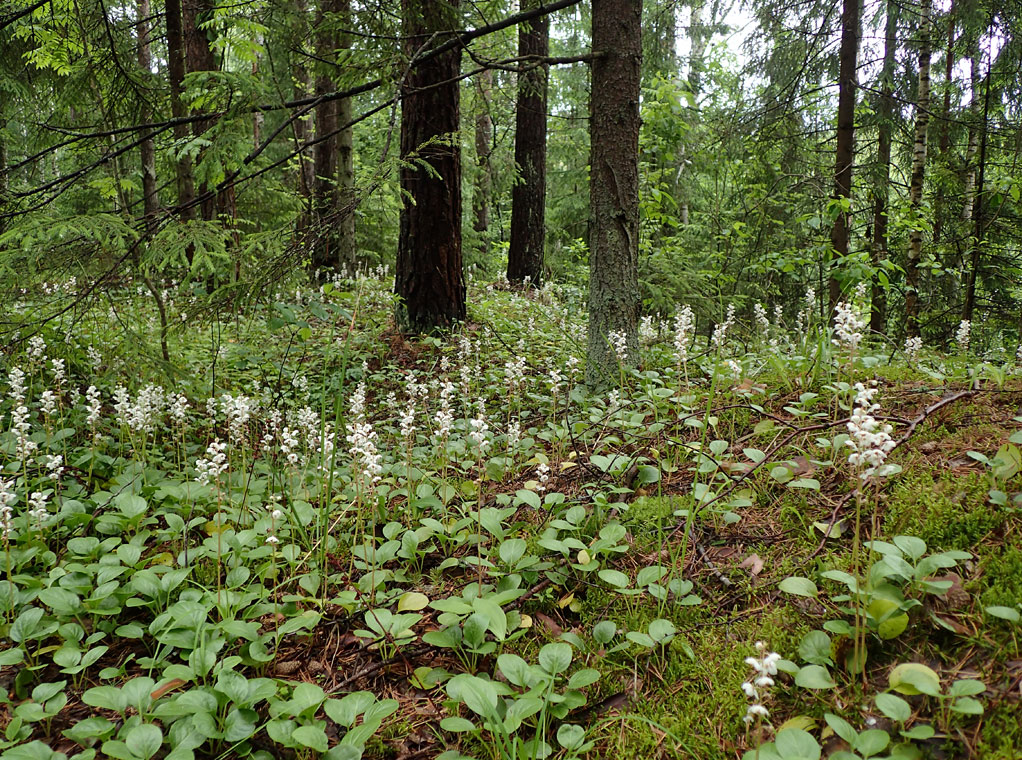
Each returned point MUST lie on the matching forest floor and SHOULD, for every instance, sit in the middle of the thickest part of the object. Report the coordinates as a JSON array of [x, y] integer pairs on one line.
[[373, 546]]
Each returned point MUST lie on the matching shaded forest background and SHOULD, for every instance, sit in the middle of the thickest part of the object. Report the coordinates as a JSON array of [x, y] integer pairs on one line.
[[226, 148]]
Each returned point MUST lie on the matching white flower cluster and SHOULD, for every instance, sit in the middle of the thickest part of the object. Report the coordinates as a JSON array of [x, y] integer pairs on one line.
[[647, 329], [48, 403], [178, 408], [38, 509], [913, 345], [684, 327], [16, 380], [869, 440], [542, 476], [719, 337], [216, 465], [362, 438], [756, 688], [24, 447], [619, 342], [238, 411], [93, 405], [444, 417], [6, 513], [849, 326], [36, 348], [963, 335], [762, 320], [478, 431]]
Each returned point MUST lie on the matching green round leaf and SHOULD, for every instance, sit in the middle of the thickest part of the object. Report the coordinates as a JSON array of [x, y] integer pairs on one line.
[[144, 741], [814, 677], [914, 678]]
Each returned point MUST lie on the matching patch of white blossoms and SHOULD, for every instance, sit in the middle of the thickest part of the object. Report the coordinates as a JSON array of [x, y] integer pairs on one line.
[[619, 342], [210, 469], [869, 439], [963, 335], [684, 327], [913, 345], [764, 668], [719, 338], [849, 326]]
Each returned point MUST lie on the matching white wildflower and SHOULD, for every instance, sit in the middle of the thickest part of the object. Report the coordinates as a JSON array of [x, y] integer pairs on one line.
[[36, 347], [647, 329], [963, 335], [913, 346], [210, 470], [764, 669], [849, 326], [684, 327], [619, 342], [48, 403], [869, 440], [719, 338], [16, 381]]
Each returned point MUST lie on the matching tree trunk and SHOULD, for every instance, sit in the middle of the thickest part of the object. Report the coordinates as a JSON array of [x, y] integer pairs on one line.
[[882, 184], [484, 172], [429, 280], [972, 147], [915, 188], [147, 149], [614, 186], [325, 152], [199, 57], [347, 249], [945, 127], [305, 176], [977, 236], [176, 75], [845, 153], [528, 196]]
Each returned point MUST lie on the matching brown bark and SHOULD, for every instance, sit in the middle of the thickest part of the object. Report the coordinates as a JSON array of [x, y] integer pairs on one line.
[[528, 196], [147, 150], [880, 251], [915, 188], [614, 185], [199, 57], [347, 250], [484, 173], [945, 127], [305, 176], [176, 75], [976, 248], [845, 152], [429, 280]]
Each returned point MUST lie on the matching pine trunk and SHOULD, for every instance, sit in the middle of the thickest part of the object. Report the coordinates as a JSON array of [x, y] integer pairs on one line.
[[147, 149], [347, 249], [199, 57], [176, 75], [845, 152], [484, 173], [976, 248], [528, 196], [614, 186], [881, 188], [429, 280], [915, 188], [325, 154]]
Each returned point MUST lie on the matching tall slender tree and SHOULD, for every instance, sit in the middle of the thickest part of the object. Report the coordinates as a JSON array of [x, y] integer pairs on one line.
[[915, 188], [429, 280], [845, 153], [528, 196], [881, 190], [614, 187]]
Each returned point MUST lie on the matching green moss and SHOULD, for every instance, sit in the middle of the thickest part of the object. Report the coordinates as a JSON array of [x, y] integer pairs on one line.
[[947, 511]]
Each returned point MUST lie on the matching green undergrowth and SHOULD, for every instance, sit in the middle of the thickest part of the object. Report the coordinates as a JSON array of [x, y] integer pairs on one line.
[[311, 536]]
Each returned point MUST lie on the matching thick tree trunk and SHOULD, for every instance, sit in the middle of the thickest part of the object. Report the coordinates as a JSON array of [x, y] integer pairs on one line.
[[150, 197], [528, 196], [305, 176], [176, 75], [880, 251], [347, 249], [484, 172], [614, 186], [915, 188], [199, 57], [976, 249], [324, 188], [429, 280], [845, 153]]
